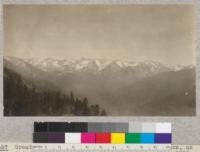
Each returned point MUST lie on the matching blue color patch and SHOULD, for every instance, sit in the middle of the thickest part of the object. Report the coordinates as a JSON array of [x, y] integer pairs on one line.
[[147, 138]]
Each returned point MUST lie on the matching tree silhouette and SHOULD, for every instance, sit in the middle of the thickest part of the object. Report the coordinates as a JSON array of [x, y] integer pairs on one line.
[[103, 112]]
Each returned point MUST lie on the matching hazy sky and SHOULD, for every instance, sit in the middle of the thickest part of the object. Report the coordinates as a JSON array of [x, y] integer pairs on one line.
[[163, 33]]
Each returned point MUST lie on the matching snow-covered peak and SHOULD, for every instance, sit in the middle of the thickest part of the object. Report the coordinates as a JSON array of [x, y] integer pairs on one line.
[[82, 64], [97, 63], [180, 67], [130, 64], [119, 63]]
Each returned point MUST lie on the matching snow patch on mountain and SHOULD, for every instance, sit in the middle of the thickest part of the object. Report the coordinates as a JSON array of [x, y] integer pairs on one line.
[[93, 65]]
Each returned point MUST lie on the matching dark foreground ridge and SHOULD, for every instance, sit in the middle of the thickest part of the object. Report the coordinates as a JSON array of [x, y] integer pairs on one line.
[[22, 98]]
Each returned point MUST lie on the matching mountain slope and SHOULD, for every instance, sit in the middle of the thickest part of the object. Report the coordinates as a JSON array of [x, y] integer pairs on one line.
[[21, 99], [135, 88], [30, 73], [170, 93]]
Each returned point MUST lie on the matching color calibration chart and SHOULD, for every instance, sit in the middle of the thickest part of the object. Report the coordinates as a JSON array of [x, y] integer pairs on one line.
[[35, 147], [102, 133]]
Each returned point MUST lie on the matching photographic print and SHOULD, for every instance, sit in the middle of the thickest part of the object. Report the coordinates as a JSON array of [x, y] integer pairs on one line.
[[99, 60]]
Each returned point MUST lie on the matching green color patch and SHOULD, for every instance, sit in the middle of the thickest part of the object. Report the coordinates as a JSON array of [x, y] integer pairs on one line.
[[133, 138]]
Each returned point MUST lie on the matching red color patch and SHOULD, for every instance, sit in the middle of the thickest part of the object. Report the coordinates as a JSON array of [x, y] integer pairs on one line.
[[103, 137]]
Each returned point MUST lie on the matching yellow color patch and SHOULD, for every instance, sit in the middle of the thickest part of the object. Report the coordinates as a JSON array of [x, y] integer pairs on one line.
[[117, 138]]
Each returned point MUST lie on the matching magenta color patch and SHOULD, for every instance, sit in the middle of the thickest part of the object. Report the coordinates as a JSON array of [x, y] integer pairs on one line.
[[87, 137]]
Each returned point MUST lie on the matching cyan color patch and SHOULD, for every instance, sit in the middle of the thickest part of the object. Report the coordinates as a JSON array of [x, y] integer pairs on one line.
[[147, 138]]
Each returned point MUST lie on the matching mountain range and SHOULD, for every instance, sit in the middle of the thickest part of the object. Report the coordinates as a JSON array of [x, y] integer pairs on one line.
[[95, 65], [134, 88]]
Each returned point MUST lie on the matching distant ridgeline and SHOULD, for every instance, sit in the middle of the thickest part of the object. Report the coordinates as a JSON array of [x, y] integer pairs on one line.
[[23, 98]]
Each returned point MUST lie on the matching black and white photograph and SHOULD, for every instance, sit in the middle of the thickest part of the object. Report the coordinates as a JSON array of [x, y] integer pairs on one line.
[[99, 60]]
